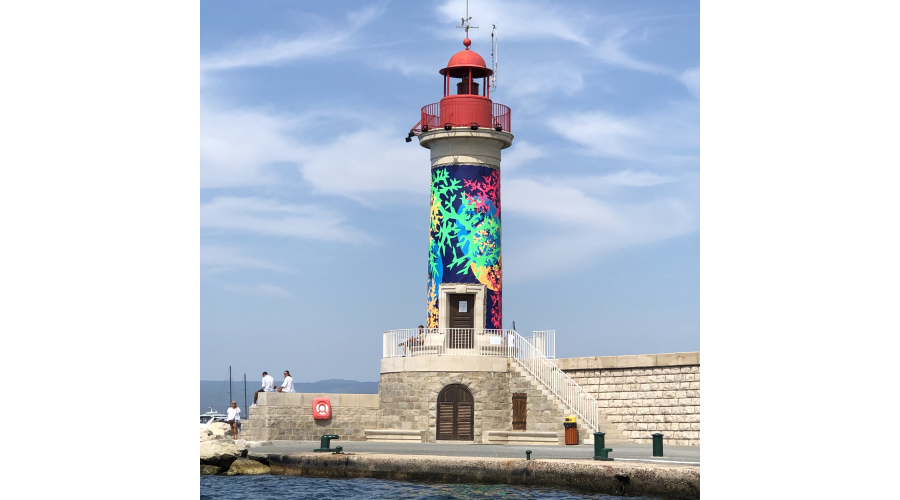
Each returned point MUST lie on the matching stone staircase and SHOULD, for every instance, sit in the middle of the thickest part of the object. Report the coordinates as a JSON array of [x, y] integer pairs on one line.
[[551, 411]]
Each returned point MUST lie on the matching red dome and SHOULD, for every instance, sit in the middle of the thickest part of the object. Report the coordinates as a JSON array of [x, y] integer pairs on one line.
[[463, 60]]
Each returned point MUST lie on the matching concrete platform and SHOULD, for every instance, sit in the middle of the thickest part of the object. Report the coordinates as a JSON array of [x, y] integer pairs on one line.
[[626, 452]]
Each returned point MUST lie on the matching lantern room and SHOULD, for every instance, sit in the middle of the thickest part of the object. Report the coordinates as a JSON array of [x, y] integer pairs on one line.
[[467, 66], [467, 98]]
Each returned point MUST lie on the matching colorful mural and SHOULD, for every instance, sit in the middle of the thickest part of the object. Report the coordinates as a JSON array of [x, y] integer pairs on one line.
[[464, 239]]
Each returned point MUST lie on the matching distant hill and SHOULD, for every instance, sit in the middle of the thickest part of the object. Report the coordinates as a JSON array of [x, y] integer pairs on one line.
[[215, 393]]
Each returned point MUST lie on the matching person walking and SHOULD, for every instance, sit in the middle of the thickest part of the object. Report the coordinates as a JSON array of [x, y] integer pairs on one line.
[[268, 385], [234, 419], [288, 384]]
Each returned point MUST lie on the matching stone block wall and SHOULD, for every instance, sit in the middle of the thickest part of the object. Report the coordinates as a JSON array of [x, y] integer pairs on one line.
[[409, 400], [281, 416], [644, 394], [542, 413]]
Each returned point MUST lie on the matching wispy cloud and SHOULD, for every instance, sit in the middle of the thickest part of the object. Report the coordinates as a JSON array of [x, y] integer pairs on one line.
[[242, 148], [669, 135], [568, 227], [518, 20], [237, 144], [366, 162], [625, 178], [270, 217], [260, 289], [691, 80], [556, 77], [268, 51], [521, 153], [612, 51], [218, 258]]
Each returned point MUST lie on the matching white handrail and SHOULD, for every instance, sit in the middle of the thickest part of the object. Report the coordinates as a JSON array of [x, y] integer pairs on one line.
[[545, 342], [532, 353], [570, 393], [444, 342]]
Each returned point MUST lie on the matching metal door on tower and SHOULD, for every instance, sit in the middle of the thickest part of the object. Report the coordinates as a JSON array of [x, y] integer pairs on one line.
[[462, 320]]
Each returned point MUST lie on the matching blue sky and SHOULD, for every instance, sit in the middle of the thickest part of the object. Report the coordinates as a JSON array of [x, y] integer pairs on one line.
[[314, 216]]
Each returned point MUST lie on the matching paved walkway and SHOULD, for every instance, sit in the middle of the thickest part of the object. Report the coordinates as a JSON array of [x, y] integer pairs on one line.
[[689, 455]]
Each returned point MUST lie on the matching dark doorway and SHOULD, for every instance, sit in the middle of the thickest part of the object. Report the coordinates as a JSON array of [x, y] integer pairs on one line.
[[520, 411], [456, 414], [462, 320]]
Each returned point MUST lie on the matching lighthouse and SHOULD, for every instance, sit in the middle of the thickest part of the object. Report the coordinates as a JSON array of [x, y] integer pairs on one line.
[[465, 132]]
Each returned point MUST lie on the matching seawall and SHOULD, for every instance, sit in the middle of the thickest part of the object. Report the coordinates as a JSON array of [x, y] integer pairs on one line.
[[644, 394], [662, 480]]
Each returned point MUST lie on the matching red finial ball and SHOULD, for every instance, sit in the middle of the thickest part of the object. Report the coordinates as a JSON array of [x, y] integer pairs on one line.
[[467, 42]]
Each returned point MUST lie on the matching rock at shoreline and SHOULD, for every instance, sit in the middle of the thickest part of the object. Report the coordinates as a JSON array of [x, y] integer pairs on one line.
[[259, 457], [219, 452], [209, 470], [220, 429], [247, 467]]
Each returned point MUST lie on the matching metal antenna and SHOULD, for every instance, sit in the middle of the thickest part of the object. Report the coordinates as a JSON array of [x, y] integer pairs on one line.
[[495, 51], [465, 21]]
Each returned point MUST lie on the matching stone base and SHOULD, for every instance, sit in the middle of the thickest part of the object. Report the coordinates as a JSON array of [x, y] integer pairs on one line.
[[396, 436], [522, 437]]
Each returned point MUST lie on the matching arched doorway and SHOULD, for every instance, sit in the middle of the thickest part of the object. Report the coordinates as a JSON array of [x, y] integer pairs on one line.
[[456, 414]]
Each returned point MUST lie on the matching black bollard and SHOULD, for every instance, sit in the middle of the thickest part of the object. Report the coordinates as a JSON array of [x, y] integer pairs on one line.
[[326, 442], [601, 452], [527, 454], [657, 444]]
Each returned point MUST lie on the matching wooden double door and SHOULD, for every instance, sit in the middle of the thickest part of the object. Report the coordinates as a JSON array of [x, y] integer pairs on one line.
[[456, 414]]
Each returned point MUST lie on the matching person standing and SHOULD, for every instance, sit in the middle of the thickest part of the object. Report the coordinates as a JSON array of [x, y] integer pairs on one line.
[[234, 419], [288, 384], [268, 385]]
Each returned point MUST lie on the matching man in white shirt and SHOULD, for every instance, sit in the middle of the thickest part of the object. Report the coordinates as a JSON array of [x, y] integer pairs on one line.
[[288, 384], [268, 385]]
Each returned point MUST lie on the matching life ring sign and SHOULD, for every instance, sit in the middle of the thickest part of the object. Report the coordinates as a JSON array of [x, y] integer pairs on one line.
[[321, 408]]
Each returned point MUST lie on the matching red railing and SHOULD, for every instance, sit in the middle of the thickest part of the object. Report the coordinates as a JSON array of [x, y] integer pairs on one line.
[[431, 116], [501, 116]]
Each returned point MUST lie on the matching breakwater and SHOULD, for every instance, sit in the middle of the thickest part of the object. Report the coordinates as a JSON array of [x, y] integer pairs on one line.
[[615, 478]]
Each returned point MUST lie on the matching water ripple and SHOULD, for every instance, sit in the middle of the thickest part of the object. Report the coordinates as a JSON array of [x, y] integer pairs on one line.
[[303, 488]]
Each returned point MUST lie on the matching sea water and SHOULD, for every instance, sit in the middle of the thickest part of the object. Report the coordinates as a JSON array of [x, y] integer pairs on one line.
[[303, 488]]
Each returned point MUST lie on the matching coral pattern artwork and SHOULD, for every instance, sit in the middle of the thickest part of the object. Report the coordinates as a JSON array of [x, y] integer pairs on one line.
[[465, 234]]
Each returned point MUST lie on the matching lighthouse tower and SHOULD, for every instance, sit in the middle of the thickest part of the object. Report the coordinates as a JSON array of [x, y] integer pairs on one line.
[[465, 133]]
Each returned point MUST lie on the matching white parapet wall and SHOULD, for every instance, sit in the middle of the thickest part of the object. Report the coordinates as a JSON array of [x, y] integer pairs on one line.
[[644, 394], [455, 364]]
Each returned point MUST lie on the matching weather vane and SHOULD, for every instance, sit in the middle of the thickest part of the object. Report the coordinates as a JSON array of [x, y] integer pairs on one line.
[[465, 21]]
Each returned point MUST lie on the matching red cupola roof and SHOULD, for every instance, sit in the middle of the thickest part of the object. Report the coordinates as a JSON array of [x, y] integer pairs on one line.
[[464, 60]]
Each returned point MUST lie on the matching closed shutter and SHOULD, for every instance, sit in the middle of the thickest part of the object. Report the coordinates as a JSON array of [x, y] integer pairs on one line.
[[465, 423], [445, 422]]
